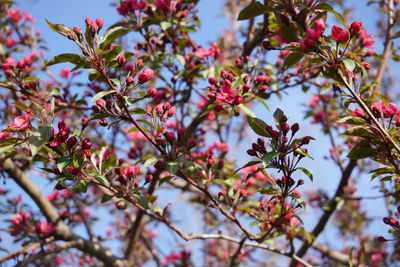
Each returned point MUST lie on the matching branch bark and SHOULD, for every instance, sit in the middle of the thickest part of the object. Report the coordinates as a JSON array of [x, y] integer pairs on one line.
[[63, 231], [327, 214]]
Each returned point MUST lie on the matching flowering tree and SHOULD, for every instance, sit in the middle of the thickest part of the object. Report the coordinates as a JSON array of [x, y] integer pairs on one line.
[[171, 117]]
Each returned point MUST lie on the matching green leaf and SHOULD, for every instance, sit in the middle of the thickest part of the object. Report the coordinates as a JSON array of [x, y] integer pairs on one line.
[[301, 152], [365, 88], [292, 59], [246, 110], [63, 162], [258, 126], [306, 172], [299, 200], [362, 131], [362, 150], [262, 102], [38, 139], [237, 82], [253, 10], [248, 164], [67, 57], [352, 120], [349, 63], [269, 156], [142, 200], [382, 97], [150, 162], [6, 148], [165, 25], [103, 180], [278, 117], [111, 35], [101, 94], [172, 167], [82, 186], [327, 7], [181, 59], [106, 198], [61, 29]]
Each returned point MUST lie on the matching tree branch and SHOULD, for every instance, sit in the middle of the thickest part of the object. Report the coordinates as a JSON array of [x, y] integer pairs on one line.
[[63, 231], [332, 207]]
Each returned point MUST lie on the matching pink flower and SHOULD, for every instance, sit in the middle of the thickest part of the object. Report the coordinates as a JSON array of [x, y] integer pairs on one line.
[[21, 123], [29, 18], [15, 15], [226, 95], [340, 35], [367, 39], [65, 72]]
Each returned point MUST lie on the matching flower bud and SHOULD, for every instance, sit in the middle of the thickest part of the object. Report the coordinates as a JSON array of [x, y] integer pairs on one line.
[[121, 59], [191, 144], [99, 22], [84, 121], [306, 140], [170, 136], [251, 152], [295, 127], [86, 144], [355, 28], [71, 141], [152, 92], [146, 75]]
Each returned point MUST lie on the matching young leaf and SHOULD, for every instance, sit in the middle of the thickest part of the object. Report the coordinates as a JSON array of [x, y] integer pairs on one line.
[[172, 167], [61, 29], [111, 35], [67, 57], [253, 10], [292, 59], [101, 94], [306, 172], [258, 126]]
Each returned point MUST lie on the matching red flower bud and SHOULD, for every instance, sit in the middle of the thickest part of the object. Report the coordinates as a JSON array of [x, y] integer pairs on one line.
[[306, 140], [99, 22], [285, 128], [61, 124], [266, 45], [88, 21], [340, 35], [71, 141], [86, 144], [129, 80], [358, 112], [238, 100], [152, 92], [212, 80], [355, 28], [146, 75], [275, 134], [101, 103], [84, 121], [121, 59], [191, 144], [295, 127], [170, 136], [77, 31]]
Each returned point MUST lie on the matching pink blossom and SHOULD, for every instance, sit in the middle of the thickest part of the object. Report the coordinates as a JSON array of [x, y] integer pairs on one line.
[[21, 123], [65, 72], [15, 15], [226, 95]]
